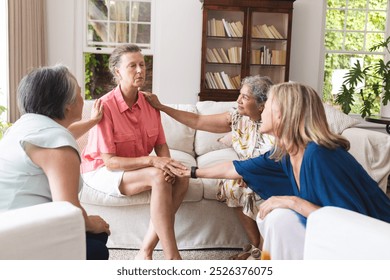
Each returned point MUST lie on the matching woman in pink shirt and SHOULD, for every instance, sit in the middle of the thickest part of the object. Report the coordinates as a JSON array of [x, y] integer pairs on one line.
[[117, 161]]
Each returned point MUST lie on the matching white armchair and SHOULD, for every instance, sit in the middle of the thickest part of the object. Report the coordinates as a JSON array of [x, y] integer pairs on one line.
[[50, 231], [334, 233]]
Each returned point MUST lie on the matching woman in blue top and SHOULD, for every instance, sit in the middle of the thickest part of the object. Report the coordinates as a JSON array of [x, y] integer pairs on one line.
[[318, 168]]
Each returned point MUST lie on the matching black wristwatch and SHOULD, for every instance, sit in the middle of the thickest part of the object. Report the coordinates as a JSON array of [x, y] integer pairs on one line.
[[193, 172]]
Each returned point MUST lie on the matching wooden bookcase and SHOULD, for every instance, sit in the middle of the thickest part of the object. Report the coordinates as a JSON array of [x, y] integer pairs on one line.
[[248, 27]]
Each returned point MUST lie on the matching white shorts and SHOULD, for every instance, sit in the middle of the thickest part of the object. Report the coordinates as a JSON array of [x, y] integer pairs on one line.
[[104, 180]]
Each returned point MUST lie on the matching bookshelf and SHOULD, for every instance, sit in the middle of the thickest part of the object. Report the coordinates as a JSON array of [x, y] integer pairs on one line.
[[243, 38]]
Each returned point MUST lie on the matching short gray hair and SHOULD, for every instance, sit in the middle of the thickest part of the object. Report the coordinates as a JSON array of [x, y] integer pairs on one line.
[[46, 91], [258, 86]]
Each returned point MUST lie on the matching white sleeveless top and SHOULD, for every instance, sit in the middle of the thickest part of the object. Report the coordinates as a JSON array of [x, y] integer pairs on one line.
[[23, 183]]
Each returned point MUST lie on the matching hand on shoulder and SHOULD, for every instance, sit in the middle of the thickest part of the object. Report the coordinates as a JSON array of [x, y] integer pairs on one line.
[[97, 111], [153, 100]]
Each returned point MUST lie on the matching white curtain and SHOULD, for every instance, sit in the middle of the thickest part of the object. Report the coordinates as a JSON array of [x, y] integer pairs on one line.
[[27, 44]]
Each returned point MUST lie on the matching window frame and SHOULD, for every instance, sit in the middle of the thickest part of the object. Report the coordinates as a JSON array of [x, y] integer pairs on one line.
[[324, 51], [108, 50]]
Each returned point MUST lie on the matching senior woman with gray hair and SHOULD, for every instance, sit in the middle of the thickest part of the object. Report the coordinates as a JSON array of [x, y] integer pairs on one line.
[[39, 160], [244, 123]]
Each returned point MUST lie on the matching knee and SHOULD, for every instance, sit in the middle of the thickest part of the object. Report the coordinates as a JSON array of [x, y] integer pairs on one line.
[[278, 220], [157, 176]]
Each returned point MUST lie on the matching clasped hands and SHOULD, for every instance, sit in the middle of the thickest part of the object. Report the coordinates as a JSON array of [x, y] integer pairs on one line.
[[170, 167]]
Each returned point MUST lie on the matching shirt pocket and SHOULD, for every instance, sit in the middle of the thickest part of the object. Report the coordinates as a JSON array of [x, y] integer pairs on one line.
[[125, 144], [152, 138]]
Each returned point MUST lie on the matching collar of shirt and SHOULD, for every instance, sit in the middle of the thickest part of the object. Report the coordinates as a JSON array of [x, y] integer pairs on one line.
[[122, 105]]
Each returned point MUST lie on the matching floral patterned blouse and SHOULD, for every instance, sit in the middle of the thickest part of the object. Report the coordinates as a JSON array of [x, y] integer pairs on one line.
[[247, 142]]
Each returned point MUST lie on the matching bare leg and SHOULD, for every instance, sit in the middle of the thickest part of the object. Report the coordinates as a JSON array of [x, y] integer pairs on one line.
[[151, 239], [250, 227], [165, 200]]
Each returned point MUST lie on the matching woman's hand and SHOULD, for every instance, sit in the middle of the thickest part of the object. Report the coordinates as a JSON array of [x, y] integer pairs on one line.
[[169, 179], [168, 165], [299, 205], [153, 100], [96, 224], [274, 202], [97, 111]]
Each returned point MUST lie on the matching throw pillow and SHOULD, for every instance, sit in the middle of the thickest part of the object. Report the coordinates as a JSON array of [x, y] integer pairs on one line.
[[337, 120]]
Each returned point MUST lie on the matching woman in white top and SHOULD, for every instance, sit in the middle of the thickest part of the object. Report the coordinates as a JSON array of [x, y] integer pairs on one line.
[[39, 160]]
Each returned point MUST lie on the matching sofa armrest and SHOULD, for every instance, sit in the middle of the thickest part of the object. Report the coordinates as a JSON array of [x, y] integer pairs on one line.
[[334, 233], [372, 150], [54, 230]]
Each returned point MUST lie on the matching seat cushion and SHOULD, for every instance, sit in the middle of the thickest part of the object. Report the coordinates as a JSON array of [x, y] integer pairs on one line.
[[209, 159]]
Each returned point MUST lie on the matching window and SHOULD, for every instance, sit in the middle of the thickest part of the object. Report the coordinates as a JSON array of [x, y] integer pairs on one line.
[[352, 27], [110, 23]]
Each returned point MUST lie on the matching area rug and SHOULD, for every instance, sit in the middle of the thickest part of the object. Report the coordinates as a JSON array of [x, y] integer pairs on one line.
[[214, 254]]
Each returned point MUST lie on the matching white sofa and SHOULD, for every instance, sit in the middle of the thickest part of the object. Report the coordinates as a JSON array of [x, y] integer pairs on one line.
[[334, 233], [49, 231], [202, 221]]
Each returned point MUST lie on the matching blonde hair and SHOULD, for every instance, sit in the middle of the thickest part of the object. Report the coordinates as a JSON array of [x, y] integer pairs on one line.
[[303, 120]]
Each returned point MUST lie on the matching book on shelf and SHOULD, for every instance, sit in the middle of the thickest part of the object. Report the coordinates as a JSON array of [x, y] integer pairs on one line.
[[217, 56], [226, 80], [240, 27], [275, 32], [227, 28], [210, 81], [215, 28], [278, 57], [223, 55], [257, 32], [219, 28], [236, 81], [221, 80], [233, 29], [236, 29], [255, 56], [234, 54], [210, 57], [212, 27], [268, 32]]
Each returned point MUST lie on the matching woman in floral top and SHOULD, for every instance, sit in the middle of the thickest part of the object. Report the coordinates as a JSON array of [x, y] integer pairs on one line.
[[244, 123]]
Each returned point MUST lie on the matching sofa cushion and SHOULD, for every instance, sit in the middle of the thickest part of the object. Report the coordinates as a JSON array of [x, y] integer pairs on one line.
[[337, 120], [179, 136], [95, 197], [206, 141], [211, 185]]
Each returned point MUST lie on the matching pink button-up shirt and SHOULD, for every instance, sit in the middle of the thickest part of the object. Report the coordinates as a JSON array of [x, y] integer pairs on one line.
[[123, 131]]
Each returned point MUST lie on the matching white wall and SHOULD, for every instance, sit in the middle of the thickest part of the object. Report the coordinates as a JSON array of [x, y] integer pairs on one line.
[[64, 26], [307, 44], [178, 50], [178, 44]]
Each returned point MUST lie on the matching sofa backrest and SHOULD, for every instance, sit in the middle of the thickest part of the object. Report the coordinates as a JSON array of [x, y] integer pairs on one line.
[[179, 136], [205, 141]]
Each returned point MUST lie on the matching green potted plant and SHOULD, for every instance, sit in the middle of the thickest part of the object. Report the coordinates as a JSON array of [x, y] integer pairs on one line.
[[370, 83]]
